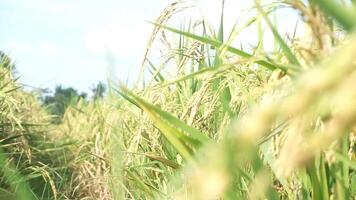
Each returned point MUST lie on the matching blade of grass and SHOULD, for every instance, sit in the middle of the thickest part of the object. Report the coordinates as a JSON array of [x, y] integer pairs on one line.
[[140, 184], [285, 48], [165, 161], [323, 178], [18, 183], [316, 190], [193, 133], [345, 16], [196, 74], [351, 164], [156, 74], [218, 44], [169, 125]]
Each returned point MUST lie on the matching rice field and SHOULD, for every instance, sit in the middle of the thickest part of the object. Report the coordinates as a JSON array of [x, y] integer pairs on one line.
[[208, 120]]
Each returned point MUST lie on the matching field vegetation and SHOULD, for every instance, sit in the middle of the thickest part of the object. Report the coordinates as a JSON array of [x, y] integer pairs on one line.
[[208, 120]]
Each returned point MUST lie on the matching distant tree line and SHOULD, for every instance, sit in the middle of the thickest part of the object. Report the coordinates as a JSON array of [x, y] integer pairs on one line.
[[63, 97]]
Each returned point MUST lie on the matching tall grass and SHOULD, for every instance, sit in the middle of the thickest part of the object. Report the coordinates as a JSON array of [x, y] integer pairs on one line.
[[212, 121], [33, 164]]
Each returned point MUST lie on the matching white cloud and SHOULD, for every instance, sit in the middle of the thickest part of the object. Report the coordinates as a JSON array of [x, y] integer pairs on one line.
[[123, 38], [49, 49], [19, 47]]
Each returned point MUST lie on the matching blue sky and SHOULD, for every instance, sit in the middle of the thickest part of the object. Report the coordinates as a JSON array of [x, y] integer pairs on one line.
[[68, 42]]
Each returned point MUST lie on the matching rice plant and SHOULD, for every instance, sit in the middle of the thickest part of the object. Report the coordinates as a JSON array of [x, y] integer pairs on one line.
[[209, 120]]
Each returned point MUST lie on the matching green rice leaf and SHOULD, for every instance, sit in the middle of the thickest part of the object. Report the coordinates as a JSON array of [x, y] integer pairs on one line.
[[345, 16], [165, 161], [285, 48], [218, 44], [172, 128]]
